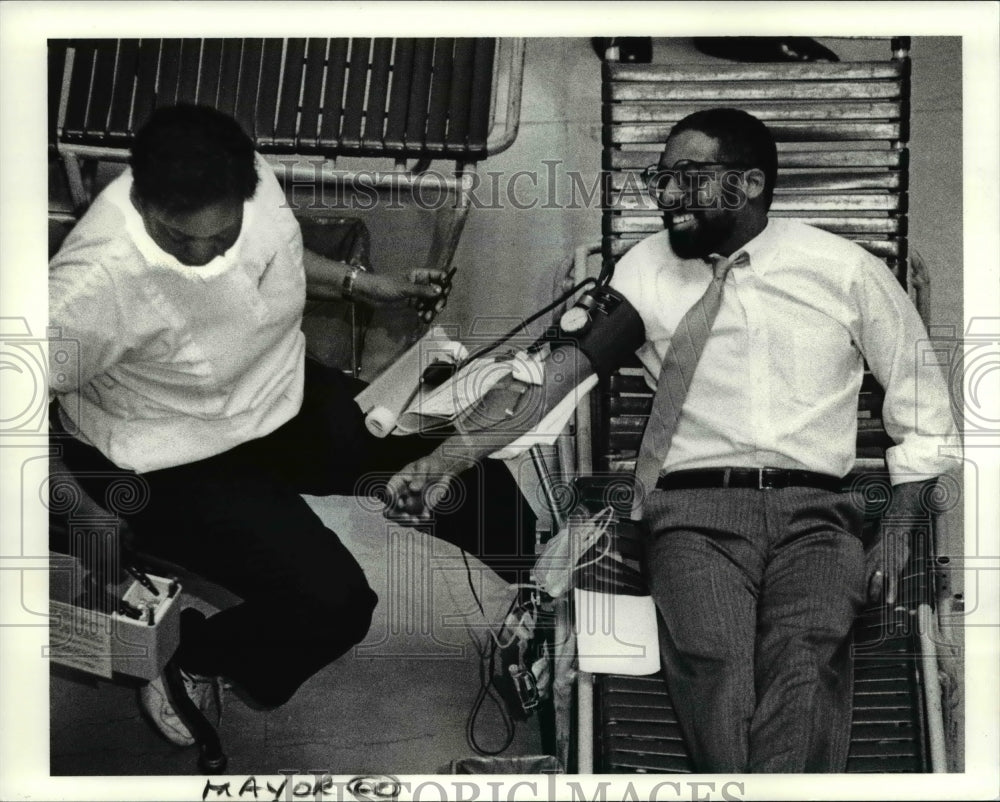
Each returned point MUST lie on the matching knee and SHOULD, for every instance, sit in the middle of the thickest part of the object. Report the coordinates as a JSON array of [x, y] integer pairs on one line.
[[347, 619], [359, 614], [807, 660]]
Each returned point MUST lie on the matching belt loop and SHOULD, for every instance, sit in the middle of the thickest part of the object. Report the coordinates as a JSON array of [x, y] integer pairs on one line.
[[726, 473]]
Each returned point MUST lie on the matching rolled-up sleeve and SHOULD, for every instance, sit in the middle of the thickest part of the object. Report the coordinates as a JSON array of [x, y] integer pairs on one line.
[[917, 411]]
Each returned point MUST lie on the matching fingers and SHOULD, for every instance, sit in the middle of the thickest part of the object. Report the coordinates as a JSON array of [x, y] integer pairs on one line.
[[883, 581], [414, 492], [428, 314], [883, 585], [875, 586], [429, 308], [396, 487], [428, 291], [885, 563], [410, 508], [405, 491], [892, 582], [425, 283], [424, 291], [428, 276], [898, 554]]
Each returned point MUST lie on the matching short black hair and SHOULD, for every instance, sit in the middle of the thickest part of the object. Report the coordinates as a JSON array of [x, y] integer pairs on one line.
[[187, 157], [742, 138]]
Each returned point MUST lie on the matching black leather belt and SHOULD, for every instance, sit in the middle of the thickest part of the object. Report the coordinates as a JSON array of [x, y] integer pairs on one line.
[[755, 478]]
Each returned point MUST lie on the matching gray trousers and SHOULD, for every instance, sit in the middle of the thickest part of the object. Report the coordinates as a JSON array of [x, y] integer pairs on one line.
[[757, 592]]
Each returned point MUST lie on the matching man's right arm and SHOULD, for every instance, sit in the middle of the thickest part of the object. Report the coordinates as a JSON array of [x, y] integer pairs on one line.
[[514, 407]]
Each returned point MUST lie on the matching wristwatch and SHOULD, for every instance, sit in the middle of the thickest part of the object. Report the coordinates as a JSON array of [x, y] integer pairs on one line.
[[348, 286]]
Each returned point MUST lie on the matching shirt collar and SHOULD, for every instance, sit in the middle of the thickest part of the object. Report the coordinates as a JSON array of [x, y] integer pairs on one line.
[[761, 247], [118, 192]]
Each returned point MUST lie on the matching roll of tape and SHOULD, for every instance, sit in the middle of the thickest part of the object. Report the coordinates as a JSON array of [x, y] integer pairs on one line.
[[456, 350], [380, 421]]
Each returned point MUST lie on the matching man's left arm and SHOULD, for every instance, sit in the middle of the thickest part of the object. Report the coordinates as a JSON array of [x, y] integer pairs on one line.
[[917, 416]]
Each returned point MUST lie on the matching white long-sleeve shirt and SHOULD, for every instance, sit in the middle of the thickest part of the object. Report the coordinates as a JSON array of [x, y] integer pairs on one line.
[[176, 363], [777, 384]]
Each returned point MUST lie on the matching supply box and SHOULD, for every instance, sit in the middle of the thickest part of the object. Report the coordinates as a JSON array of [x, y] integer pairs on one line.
[[134, 632]]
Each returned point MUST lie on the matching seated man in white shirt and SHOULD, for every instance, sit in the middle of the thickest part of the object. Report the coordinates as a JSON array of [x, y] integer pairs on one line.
[[184, 286], [754, 556]]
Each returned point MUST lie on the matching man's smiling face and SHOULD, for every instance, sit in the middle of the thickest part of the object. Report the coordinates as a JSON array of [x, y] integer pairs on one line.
[[699, 208]]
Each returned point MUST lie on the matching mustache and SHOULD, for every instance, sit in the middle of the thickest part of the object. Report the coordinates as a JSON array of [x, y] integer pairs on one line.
[[694, 203]]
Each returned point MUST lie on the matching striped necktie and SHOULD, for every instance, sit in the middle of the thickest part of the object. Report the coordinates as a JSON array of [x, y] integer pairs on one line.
[[683, 353]]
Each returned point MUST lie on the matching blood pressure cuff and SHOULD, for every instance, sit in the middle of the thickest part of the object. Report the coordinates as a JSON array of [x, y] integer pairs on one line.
[[605, 327]]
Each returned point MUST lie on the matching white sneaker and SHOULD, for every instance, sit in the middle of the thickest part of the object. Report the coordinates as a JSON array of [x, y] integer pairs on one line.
[[154, 699]]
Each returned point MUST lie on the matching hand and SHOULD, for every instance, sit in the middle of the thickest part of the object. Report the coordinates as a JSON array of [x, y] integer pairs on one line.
[[884, 563], [887, 556], [421, 287], [428, 308], [417, 489]]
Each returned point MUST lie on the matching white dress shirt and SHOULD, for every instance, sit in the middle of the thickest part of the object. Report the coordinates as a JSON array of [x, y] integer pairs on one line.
[[777, 384], [176, 363]]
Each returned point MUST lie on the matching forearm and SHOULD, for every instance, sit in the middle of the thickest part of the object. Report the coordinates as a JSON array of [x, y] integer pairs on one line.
[[324, 277], [501, 416], [612, 331], [911, 501], [513, 408]]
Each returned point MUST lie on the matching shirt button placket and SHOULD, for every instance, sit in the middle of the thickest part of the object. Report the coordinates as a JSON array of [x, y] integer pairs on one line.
[[757, 350]]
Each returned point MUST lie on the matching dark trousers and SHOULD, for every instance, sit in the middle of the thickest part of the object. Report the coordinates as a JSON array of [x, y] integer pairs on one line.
[[238, 520], [757, 593]]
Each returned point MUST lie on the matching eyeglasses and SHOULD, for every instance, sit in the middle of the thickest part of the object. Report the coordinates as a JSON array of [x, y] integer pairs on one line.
[[685, 172]]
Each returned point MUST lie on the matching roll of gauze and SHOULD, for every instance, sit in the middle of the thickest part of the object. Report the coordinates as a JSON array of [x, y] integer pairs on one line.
[[381, 421], [396, 387]]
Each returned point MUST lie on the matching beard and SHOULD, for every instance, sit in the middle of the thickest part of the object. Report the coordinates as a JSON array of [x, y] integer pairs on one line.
[[701, 238]]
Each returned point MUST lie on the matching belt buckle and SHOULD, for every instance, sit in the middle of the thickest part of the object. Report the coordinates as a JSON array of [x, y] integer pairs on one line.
[[760, 480]]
